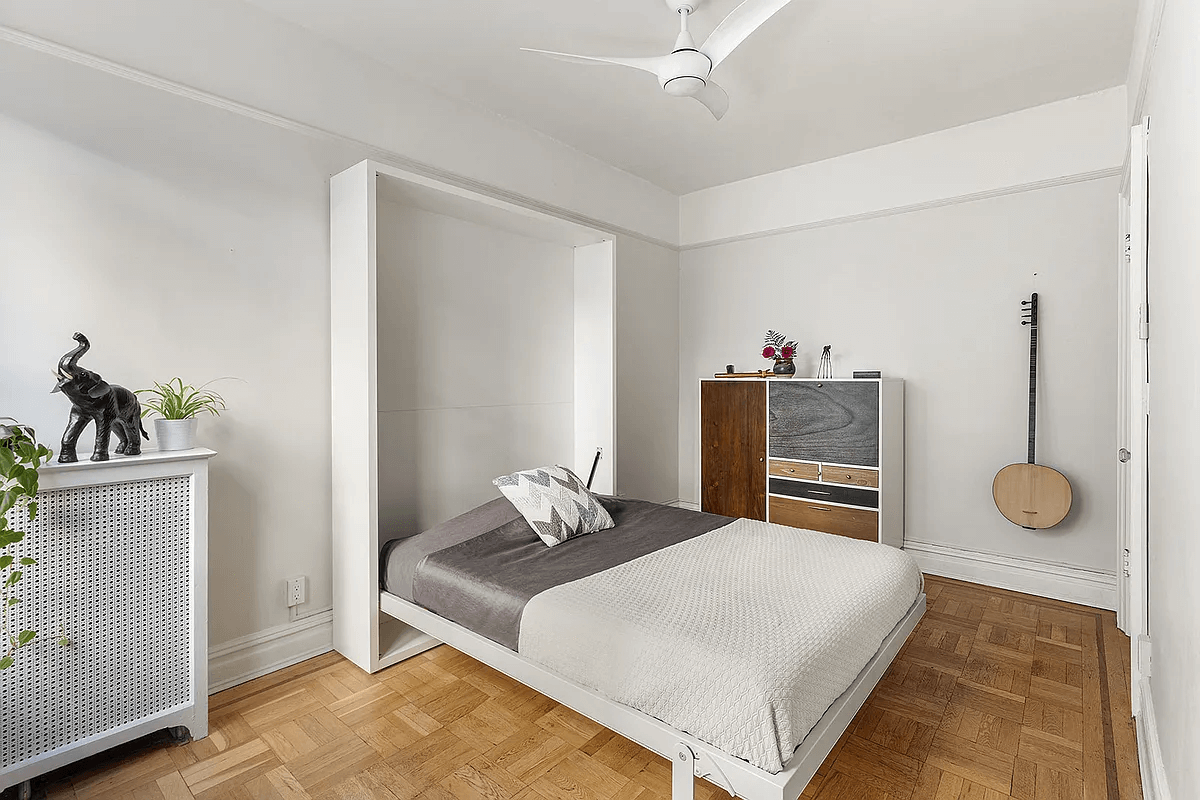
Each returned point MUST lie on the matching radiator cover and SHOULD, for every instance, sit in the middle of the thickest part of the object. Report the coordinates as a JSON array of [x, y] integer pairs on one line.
[[118, 552]]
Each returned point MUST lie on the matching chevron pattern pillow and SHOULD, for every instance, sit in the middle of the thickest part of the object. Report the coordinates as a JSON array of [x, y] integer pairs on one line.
[[555, 503]]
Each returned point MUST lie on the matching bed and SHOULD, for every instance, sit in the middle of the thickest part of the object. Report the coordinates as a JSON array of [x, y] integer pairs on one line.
[[739, 650]]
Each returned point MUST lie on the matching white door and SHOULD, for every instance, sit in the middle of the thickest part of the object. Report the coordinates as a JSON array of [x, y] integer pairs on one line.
[[1133, 402]]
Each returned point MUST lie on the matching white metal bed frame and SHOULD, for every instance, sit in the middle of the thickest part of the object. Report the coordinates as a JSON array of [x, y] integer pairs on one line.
[[689, 756]]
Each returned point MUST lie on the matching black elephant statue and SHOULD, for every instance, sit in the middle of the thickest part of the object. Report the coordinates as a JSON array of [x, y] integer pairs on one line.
[[112, 408]]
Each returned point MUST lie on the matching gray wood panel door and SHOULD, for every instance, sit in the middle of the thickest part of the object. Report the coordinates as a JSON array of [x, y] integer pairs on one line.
[[829, 421]]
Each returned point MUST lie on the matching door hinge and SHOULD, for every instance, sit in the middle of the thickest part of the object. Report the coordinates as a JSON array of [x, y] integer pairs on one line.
[[1143, 321], [1125, 562]]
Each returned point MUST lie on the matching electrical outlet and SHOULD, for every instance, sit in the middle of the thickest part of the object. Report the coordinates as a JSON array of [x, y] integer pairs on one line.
[[297, 591]]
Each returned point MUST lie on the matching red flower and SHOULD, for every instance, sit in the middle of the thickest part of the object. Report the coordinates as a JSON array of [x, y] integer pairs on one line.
[[768, 352], [789, 352]]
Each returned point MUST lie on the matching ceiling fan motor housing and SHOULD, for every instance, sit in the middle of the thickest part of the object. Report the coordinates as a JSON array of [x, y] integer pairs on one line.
[[684, 73]]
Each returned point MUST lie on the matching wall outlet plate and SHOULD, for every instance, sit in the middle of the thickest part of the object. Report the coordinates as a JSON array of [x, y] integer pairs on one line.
[[297, 591]]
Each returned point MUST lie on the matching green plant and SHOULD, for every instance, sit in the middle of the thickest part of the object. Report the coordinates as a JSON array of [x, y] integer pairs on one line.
[[20, 457], [178, 400]]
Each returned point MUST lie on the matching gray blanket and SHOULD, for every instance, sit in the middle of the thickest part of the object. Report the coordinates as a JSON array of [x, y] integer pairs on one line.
[[480, 570]]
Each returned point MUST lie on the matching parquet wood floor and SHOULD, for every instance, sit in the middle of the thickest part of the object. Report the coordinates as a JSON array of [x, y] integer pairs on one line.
[[996, 694]]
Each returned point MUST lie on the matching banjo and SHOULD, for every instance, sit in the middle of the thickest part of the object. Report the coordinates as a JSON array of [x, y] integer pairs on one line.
[[1032, 495]]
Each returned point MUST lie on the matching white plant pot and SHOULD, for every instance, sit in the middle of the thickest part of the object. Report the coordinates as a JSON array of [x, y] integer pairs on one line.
[[175, 434]]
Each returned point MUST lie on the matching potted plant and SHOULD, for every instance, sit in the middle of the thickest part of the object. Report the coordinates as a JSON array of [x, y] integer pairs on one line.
[[20, 457], [778, 347], [178, 403]]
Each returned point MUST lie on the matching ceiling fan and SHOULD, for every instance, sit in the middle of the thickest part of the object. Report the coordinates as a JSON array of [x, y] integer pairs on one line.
[[685, 71]]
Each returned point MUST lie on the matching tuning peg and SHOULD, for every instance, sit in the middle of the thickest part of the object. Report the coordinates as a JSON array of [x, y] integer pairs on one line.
[[1026, 322], [1025, 302]]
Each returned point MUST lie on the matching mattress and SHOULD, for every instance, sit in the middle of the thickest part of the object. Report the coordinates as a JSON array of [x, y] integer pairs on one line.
[[741, 633], [481, 569]]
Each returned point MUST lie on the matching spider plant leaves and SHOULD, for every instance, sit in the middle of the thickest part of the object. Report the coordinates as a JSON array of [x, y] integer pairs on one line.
[[178, 400]]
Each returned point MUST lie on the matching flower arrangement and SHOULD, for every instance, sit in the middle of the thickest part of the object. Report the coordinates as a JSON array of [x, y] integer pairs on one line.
[[778, 347]]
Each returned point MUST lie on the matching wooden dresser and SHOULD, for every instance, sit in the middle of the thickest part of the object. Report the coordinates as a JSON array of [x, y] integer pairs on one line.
[[827, 455]]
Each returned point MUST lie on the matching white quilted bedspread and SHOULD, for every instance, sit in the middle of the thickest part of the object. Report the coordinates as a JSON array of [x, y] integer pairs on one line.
[[742, 637]]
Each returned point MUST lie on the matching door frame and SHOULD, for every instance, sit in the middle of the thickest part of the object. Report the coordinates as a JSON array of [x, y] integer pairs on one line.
[[1133, 406]]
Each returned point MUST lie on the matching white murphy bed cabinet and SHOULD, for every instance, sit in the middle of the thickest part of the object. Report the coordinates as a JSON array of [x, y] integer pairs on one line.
[[367, 621], [122, 552], [402, 381]]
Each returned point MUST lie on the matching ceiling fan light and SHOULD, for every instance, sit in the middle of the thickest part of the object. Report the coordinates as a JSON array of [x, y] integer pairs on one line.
[[683, 86]]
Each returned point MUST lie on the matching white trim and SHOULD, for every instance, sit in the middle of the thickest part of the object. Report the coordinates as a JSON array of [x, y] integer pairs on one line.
[[941, 202], [690, 505], [1056, 580], [1150, 762], [266, 651], [745, 780], [370, 151], [1141, 56]]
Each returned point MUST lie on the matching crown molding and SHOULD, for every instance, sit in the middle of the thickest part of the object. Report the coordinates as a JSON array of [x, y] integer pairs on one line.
[[1003, 191], [371, 151]]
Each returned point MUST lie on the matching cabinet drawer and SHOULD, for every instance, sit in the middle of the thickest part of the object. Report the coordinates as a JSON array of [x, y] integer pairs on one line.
[[793, 469], [855, 523], [851, 495], [855, 476]]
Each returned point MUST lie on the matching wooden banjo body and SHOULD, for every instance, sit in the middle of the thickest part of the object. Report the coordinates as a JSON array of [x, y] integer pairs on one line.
[[1032, 495]]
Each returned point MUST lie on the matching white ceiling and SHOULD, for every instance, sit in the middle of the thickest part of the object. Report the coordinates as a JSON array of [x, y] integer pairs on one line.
[[820, 79]]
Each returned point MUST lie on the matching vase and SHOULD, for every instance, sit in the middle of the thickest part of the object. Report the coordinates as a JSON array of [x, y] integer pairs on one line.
[[784, 368], [175, 434]]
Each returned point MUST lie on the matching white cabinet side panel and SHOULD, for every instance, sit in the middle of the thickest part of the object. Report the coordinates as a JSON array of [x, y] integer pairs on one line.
[[353, 378], [594, 362]]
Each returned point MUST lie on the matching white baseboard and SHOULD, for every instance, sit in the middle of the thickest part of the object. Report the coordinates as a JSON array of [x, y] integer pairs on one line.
[[1074, 584], [1154, 776], [264, 652], [688, 504]]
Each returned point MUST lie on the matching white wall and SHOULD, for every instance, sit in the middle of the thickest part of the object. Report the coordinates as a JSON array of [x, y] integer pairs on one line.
[[647, 330], [476, 363], [1174, 459], [194, 268], [934, 297]]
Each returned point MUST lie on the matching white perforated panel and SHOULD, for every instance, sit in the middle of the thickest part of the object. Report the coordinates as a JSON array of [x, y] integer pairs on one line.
[[114, 572]]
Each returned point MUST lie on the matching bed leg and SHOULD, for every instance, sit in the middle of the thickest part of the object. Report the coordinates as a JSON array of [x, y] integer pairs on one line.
[[683, 773]]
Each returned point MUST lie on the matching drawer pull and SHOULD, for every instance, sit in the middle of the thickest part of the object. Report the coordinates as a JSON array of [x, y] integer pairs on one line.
[[814, 491], [818, 508]]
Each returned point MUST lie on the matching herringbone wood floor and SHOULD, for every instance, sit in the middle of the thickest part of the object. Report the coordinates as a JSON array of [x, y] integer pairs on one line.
[[996, 694]]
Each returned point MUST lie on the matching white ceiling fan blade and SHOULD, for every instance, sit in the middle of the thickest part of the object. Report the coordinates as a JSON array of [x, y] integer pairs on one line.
[[740, 23], [714, 99], [650, 65]]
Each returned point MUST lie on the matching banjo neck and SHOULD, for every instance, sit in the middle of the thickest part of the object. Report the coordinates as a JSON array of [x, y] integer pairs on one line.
[[1033, 341]]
